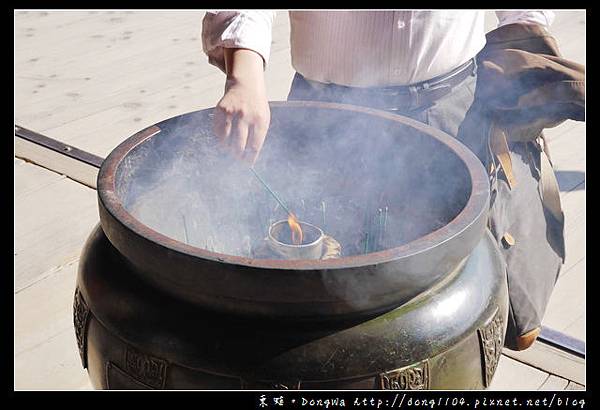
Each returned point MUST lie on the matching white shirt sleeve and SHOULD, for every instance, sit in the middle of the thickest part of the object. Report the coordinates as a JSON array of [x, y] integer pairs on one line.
[[543, 18], [236, 29]]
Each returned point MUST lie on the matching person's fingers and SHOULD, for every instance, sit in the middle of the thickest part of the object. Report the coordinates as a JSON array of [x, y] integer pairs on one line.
[[218, 123], [222, 124], [227, 127], [256, 138], [239, 136]]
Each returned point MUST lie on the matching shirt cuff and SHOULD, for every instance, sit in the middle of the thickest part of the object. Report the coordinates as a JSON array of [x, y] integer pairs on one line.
[[234, 29], [542, 18]]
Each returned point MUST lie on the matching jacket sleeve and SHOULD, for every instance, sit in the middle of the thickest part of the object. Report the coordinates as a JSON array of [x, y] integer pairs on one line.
[[541, 18], [526, 83], [236, 29]]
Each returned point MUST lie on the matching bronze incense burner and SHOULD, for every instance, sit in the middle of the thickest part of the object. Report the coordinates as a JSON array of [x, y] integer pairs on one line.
[[174, 290]]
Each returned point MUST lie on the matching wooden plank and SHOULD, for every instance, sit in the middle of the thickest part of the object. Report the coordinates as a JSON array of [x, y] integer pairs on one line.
[[566, 127], [103, 27], [47, 238], [53, 365], [574, 208], [100, 132], [567, 303], [568, 150], [561, 129], [514, 375], [551, 360], [569, 30], [574, 386], [566, 308], [575, 228], [103, 93], [51, 225], [54, 161], [83, 78], [46, 354], [75, 82], [575, 248], [490, 21], [279, 76], [565, 311], [281, 32], [45, 309], [577, 328], [554, 383], [101, 70], [38, 180]]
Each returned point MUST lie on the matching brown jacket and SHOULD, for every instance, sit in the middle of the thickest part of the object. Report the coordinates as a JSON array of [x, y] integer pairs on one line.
[[526, 83], [524, 86]]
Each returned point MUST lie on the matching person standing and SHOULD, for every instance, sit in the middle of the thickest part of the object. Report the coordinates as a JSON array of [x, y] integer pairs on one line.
[[495, 92]]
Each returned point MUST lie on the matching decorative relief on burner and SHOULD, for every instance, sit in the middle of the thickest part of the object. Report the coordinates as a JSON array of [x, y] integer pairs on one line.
[[414, 377], [81, 315], [491, 339], [287, 386], [254, 385], [149, 370], [117, 379]]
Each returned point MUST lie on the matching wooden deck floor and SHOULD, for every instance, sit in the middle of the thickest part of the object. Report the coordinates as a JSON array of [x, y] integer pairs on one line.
[[93, 78]]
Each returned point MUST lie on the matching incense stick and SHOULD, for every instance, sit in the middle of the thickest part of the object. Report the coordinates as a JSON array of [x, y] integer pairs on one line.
[[385, 215], [185, 234], [367, 227], [379, 228], [271, 192]]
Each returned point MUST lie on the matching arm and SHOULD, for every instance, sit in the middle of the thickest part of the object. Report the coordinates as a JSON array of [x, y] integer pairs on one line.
[[236, 29], [239, 44], [242, 116]]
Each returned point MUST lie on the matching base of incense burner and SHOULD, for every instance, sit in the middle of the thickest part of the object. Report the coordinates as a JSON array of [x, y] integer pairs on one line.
[[450, 337]]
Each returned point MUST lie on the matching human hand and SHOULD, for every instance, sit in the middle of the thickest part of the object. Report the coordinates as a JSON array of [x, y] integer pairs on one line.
[[242, 116]]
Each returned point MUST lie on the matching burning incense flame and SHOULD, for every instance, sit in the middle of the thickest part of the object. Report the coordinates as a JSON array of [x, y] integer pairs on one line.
[[295, 228]]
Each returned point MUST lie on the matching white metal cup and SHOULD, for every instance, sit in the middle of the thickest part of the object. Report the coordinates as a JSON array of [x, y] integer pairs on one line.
[[310, 250]]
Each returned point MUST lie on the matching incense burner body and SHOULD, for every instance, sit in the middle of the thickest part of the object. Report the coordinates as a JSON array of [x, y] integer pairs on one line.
[[175, 297], [134, 336]]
